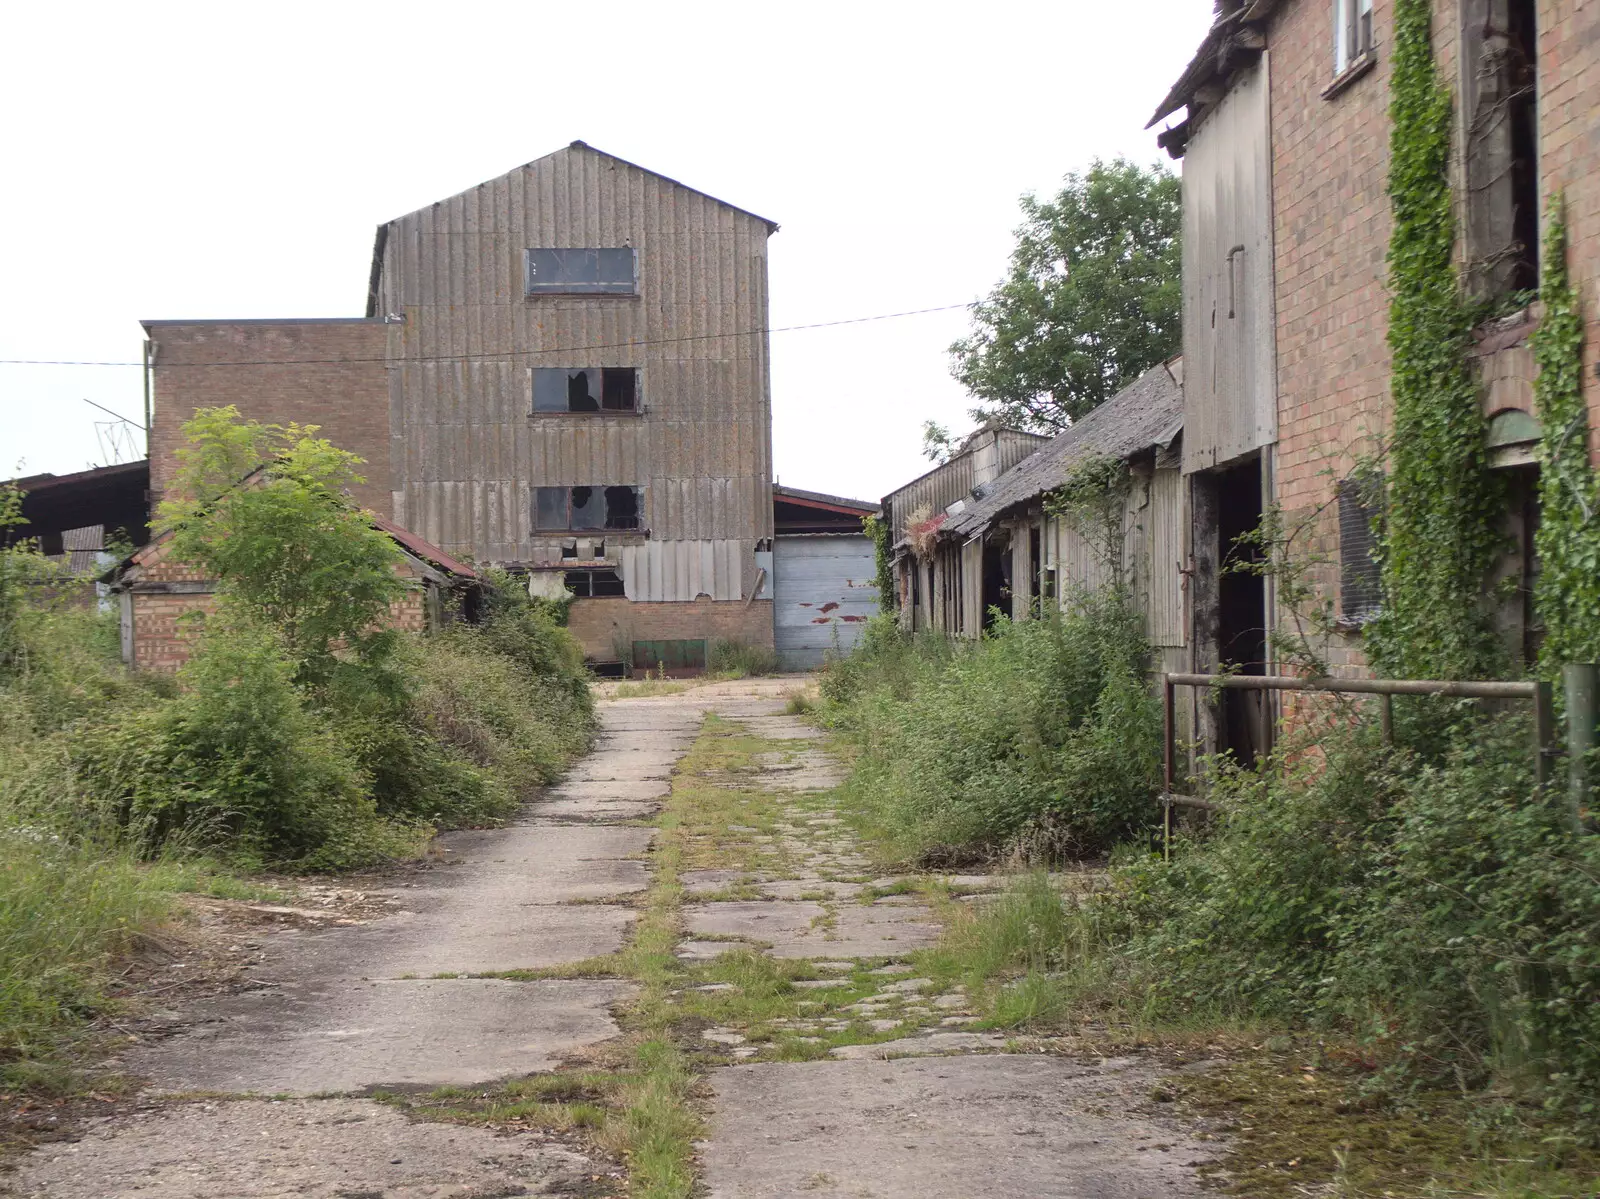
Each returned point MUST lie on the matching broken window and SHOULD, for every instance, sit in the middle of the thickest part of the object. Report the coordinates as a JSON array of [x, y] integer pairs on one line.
[[576, 272], [588, 583], [586, 389], [1359, 591], [581, 509], [1352, 33], [1499, 84]]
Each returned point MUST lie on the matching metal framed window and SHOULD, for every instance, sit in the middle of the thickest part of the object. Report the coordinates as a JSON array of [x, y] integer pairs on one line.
[[588, 509], [1360, 593], [586, 583], [586, 389], [581, 272]]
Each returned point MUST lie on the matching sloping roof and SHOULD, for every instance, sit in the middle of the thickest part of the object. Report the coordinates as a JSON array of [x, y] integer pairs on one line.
[[1235, 39], [820, 499], [1147, 412], [421, 548]]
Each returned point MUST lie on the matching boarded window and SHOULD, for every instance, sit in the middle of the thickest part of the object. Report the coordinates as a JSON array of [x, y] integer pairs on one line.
[[587, 583], [585, 389], [1359, 592], [582, 509], [603, 272]]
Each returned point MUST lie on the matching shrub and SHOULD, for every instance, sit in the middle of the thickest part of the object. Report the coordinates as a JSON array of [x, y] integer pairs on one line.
[[240, 763], [1443, 909], [1042, 736], [740, 660]]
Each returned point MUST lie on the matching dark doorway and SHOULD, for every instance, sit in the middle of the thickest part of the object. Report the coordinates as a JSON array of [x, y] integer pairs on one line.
[[996, 583], [1230, 605]]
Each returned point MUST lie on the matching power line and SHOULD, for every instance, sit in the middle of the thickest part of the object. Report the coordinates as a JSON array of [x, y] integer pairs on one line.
[[615, 345]]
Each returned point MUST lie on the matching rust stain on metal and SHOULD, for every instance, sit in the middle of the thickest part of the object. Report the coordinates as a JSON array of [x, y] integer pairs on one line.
[[828, 607]]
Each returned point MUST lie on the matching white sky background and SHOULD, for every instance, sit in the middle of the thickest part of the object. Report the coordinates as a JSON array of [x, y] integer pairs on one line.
[[230, 160]]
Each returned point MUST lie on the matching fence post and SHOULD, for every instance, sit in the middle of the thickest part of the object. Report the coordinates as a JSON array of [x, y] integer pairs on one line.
[[1169, 724], [1581, 682]]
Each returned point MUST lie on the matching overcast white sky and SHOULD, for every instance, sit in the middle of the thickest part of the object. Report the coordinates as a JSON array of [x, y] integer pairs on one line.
[[229, 160]]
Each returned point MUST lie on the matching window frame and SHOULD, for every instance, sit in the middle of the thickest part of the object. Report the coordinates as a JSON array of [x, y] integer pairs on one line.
[[590, 574], [1359, 499], [540, 494], [532, 288], [536, 372], [1354, 40]]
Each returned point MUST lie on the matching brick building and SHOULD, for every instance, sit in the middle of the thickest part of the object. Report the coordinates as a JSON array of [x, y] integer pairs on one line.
[[564, 371], [1282, 122]]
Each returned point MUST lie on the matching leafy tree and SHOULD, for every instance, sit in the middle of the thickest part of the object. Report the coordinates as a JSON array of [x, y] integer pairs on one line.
[[1091, 300], [263, 508], [937, 442]]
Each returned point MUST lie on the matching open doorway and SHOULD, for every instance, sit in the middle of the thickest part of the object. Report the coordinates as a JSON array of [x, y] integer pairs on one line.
[[996, 581], [1230, 606]]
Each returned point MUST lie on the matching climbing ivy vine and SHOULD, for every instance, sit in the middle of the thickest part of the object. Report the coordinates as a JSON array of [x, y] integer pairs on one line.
[[1440, 533], [1568, 541], [1091, 500], [877, 531]]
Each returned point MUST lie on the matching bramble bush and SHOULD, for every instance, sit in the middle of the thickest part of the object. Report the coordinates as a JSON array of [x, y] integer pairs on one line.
[[1040, 738]]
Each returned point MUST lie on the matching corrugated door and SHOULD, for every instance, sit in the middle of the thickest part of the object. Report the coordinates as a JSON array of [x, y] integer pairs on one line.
[[823, 592]]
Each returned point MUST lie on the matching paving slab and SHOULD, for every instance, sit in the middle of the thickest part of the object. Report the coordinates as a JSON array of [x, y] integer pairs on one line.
[[346, 1036], [994, 1127], [865, 932], [318, 1148], [781, 923]]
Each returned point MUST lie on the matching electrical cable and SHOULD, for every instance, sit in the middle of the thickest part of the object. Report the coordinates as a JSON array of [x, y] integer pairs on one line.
[[400, 359]]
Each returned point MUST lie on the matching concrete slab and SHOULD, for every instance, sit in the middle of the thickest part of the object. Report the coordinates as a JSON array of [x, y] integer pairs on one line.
[[349, 1035], [758, 920], [978, 1127], [865, 932], [927, 1045], [320, 1148]]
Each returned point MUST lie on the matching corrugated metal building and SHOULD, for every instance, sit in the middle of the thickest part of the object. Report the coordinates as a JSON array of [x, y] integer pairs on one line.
[[564, 370], [1004, 550]]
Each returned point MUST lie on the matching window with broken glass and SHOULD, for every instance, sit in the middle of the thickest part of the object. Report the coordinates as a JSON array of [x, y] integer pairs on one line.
[[1360, 592], [587, 583], [587, 508], [581, 272], [586, 389]]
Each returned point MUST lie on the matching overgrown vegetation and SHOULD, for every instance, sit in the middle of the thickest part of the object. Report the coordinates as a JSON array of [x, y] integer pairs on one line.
[[303, 733], [878, 532], [1040, 739], [740, 660], [1568, 538]]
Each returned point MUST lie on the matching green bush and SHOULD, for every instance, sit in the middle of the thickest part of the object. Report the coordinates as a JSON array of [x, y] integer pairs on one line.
[[1042, 737], [1444, 910], [740, 660], [240, 763]]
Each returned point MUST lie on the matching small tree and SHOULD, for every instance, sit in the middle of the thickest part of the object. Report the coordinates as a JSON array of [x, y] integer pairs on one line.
[[264, 509], [1092, 299]]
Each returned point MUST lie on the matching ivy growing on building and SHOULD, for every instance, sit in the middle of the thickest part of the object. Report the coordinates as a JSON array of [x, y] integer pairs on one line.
[[1440, 534], [1568, 541], [877, 531], [1091, 500]]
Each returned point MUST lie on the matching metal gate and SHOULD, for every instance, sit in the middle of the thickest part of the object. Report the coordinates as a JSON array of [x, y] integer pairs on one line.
[[823, 592]]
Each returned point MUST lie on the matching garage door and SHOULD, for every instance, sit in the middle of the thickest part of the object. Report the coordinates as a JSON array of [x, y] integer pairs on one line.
[[823, 592]]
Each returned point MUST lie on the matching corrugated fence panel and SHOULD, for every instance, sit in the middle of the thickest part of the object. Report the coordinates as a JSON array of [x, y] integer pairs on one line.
[[823, 594], [1167, 521]]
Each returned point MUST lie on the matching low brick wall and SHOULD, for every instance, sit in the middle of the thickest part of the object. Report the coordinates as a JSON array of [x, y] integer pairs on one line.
[[601, 625]]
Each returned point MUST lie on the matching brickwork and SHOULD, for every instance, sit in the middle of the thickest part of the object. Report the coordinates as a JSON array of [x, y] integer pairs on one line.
[[327, 373], [1569, 153], [602, 625]]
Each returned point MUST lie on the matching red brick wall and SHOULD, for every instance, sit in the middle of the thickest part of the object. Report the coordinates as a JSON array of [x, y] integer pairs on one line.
[[327, 373], [1569, 136], [601, 623]]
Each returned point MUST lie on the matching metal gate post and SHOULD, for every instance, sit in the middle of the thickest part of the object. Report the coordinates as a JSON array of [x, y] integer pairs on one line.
[[1581, 681], [1168, 763]]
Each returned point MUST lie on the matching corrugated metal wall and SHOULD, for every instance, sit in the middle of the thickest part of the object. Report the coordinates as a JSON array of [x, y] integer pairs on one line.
[[1229, 372], [1168, 522], [823, 594], [465, 450], [998, 452]]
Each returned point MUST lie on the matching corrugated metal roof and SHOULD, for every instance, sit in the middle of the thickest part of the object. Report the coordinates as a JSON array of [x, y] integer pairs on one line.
[[424, 549], [1148, 412], [821, 497]]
